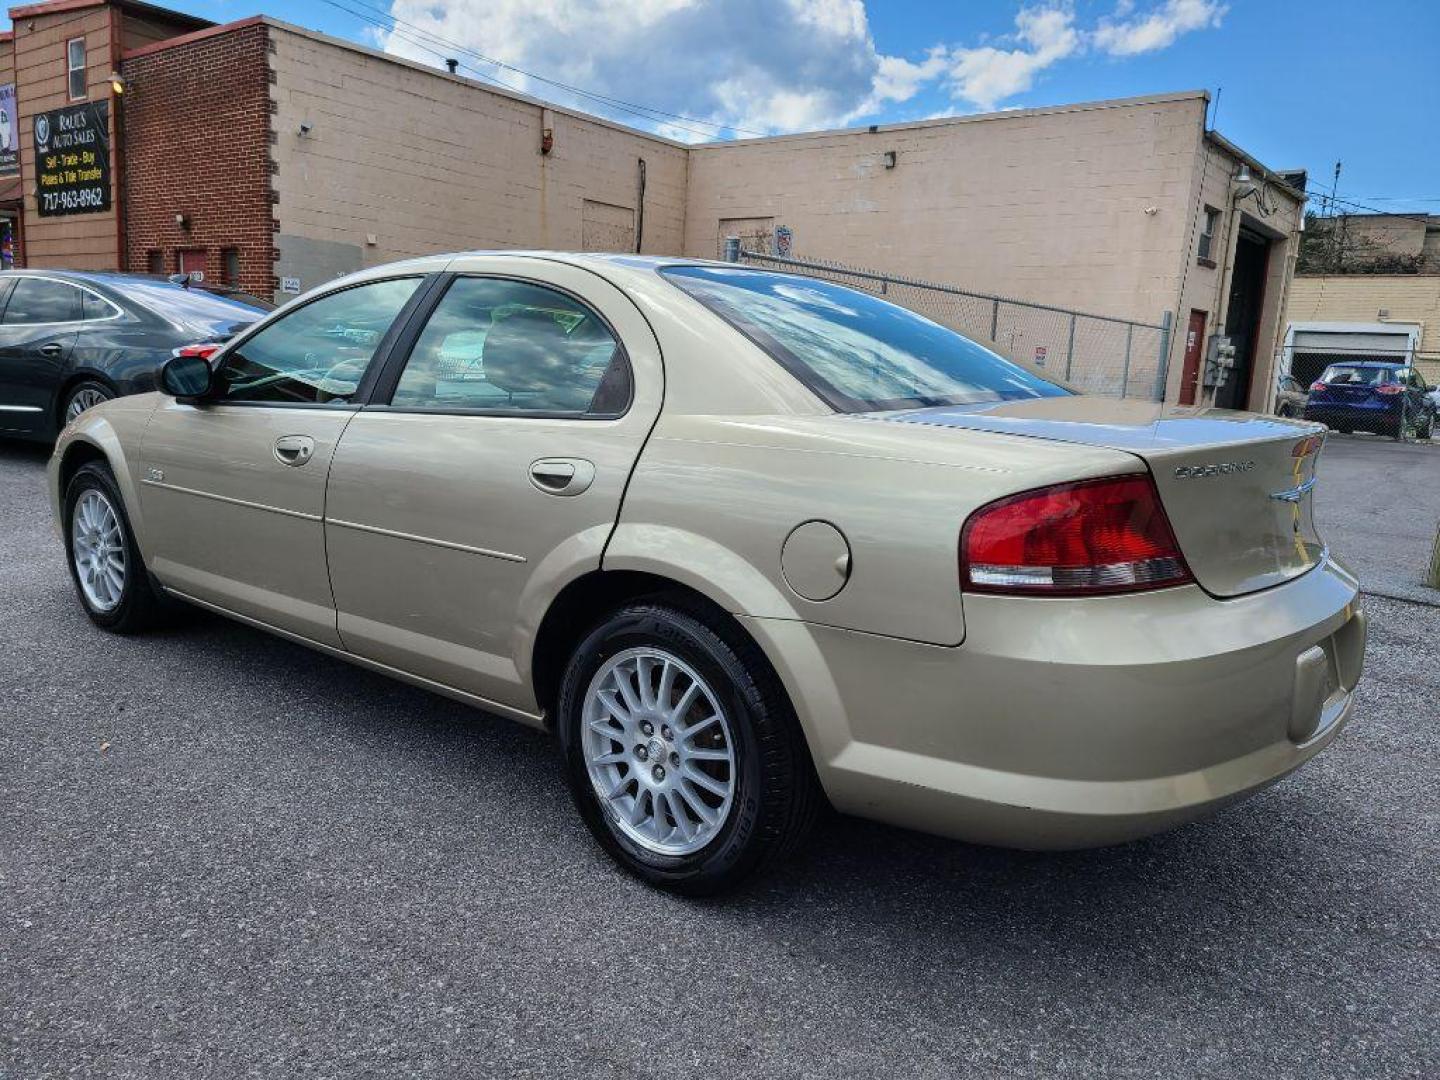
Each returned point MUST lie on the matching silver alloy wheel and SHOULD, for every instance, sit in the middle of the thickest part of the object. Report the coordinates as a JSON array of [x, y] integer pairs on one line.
[[97, 544], [659, 751], [86, 398]]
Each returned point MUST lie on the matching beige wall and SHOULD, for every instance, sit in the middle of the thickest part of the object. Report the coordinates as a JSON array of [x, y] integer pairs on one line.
[[425, 162], [1095, 207], [1047, 205], [1408, 298]]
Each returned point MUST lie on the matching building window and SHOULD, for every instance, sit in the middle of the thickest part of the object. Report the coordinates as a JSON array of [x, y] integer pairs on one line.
[[1206, 253], [155, 261], [230, 266], [75, 68]]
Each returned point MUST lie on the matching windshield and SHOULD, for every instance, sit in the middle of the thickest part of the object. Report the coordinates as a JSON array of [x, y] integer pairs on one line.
[[193, 307], [856, 351], [1350, 375]]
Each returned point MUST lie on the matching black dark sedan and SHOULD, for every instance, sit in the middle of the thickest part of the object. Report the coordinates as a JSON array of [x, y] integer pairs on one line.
[[70, 340]]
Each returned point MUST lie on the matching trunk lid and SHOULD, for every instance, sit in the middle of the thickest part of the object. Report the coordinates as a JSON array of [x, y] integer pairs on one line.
[[1236, 486]]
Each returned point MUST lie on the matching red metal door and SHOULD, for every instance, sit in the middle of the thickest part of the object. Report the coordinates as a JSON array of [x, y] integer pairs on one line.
[[1194, 350], [192, 262]]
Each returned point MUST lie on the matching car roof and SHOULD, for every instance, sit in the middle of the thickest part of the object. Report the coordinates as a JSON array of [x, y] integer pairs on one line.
[[112, 279], [1367, 363], [100, 277]]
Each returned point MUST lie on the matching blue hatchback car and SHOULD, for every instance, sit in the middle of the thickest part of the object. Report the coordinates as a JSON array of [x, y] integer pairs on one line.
[[1372, 395]]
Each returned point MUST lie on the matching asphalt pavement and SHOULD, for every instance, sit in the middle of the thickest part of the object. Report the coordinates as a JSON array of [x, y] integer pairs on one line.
[[1378, 506], [223, 855]]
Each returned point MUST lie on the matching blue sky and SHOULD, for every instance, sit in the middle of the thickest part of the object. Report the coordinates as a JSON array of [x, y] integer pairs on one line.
[[1302, 83]]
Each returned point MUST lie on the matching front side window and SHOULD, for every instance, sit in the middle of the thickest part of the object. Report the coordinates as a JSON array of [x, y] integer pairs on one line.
[[36, 300], [513, 347], [857, 352], [75, 68], [317, 353]]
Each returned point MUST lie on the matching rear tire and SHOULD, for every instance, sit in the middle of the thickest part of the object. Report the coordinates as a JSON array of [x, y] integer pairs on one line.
[[82, 396], [683, 802], [110, 576]]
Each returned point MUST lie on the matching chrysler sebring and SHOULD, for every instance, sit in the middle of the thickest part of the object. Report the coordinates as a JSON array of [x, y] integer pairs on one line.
[[746, 543]]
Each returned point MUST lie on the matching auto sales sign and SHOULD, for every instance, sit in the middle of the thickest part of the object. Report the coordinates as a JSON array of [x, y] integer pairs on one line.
[[72, 154]]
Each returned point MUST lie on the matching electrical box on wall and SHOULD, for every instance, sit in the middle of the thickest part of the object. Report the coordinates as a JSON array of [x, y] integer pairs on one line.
[[1219, 360]]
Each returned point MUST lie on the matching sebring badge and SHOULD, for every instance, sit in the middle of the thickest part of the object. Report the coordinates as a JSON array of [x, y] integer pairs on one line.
[[1219, 468]]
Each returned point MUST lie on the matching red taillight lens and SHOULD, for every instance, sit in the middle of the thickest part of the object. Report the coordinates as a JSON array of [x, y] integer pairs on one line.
[[1389, 388], [1317, 385], [204, 350], [1096, 536]]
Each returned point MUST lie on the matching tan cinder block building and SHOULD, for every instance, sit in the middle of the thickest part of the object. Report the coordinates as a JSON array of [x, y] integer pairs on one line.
[[398, 160], [1381, 316], [1125, 208], [312, 157]]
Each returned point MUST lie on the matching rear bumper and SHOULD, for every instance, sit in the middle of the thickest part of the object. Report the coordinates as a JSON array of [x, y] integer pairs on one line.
[[1077, 723], [1366, 415]]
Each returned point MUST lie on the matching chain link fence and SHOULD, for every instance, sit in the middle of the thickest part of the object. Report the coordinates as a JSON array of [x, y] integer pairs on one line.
[[1096, 354], [1387, 392]]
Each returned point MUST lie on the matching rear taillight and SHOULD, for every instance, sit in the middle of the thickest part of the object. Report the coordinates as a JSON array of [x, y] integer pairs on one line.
[[1096, 536], [1317, 385], [1389, 388], [204, 350]]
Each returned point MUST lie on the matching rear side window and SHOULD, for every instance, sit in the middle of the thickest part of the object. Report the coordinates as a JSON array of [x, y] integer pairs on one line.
[[96, 307], [194, 307], [317, 353], [856, 351], [515, 347], [36, 300]]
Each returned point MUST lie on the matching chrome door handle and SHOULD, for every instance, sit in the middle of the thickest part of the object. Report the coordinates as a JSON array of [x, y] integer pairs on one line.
[[562, 476], [54, 348], [294, 449]]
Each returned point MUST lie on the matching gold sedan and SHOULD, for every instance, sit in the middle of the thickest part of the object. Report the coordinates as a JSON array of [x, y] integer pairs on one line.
[[745, 542]]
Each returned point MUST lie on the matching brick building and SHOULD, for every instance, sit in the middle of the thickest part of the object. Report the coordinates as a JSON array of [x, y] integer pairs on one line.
[[274, 158]]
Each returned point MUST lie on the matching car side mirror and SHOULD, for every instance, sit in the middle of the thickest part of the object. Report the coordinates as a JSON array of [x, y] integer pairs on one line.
[[187, 378]]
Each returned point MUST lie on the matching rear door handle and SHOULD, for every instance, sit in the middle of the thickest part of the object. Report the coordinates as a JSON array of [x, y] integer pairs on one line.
[[294, 449], [52, 349], [562, 476]]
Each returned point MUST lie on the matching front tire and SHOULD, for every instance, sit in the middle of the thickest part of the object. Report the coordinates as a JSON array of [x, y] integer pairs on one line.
[[105, 564], [681, 750]]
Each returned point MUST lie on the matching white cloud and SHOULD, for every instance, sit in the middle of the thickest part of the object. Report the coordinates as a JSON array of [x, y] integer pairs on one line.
[[759, 65], [1125, 35], [986, 75]]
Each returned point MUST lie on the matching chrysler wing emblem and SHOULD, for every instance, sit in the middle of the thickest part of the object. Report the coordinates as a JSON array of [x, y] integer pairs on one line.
[[1295, 494]]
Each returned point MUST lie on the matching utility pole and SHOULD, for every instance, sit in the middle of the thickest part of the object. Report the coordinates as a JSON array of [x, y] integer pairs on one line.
[[1334, 227]]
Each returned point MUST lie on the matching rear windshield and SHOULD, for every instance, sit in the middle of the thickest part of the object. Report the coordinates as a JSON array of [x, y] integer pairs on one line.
[[1351, 375], [856, 351], [193, 307]]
